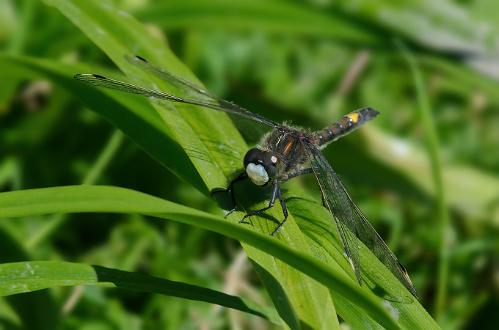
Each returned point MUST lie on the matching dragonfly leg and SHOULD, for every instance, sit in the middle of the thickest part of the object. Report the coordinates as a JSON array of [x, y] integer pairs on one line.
[[284, 212], [230, 189], [275, 192], [296, 173]]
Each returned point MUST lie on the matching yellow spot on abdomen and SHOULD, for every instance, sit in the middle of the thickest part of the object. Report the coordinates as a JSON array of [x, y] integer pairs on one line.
[[354, 117]]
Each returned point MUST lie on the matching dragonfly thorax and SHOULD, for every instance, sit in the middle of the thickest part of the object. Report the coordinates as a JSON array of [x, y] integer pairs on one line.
[[260, 166]]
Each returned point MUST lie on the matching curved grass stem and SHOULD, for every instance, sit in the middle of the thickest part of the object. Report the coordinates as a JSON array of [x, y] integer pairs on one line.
[[432, 145]]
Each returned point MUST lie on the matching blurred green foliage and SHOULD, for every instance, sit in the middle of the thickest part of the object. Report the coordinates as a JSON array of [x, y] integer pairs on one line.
[[307, 62]]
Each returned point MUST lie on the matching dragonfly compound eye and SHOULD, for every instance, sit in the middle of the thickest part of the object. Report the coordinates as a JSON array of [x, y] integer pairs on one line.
[[254, 156]]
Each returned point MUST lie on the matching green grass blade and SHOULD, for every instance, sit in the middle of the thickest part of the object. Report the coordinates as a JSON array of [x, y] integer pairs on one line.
[[36, 310], [118, 200], [270, 16], [18, 38], [432, 26], [22, 277], [432, 144]]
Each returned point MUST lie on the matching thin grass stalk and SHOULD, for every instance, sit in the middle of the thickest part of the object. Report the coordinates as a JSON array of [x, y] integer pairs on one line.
[[432, 145]]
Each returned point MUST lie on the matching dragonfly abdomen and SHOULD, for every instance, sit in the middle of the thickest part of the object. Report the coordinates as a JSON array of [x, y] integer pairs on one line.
[[347, 124]]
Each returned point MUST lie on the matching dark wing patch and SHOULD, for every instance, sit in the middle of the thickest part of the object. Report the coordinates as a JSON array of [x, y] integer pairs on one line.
[[351, 222]]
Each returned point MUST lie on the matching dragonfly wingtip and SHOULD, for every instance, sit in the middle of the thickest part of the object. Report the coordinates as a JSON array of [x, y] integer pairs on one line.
[[373, 111], [369, 113]]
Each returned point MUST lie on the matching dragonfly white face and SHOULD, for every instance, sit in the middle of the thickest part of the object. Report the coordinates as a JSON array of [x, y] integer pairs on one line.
[[257, 174]]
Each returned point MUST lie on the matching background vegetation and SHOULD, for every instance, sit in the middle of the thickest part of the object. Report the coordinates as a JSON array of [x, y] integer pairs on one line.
[[425, 172]]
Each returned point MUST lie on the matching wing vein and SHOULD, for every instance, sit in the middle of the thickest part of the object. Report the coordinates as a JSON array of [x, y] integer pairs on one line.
[[351, 223]]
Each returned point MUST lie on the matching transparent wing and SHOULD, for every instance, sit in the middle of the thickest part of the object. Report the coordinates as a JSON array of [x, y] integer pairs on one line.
[[351, 222], [196, 92], [101, 81], [188, 86], [198, 96]]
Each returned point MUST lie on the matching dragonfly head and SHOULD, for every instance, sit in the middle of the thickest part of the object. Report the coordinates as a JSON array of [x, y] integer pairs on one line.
[[261, 166]]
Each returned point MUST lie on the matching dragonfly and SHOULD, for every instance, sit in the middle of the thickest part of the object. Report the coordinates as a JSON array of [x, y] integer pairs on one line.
[[284, 153]]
